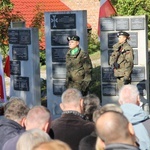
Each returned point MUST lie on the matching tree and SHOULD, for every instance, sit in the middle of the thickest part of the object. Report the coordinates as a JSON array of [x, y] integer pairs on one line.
[[6, 16], [133, 7]]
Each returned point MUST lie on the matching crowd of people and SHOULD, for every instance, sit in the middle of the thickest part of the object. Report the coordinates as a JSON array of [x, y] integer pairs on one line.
[[83, 124]]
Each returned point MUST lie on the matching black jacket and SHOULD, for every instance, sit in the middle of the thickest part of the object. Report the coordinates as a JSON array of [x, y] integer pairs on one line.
[[8, 130], [71, 128]]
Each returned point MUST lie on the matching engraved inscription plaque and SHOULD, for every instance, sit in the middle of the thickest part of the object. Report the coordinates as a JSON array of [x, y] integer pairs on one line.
[[15, 68], [135, 52], [63, 21], [108, 74], [133, 39], [109, 90], [107, 24], [59, 54], [112, 39], [137, 23], [58, 87], [59, 71], [13, 36], [122, 24], [138, 74], [59, 38], [24, 37], [19, 52], [21, 83]]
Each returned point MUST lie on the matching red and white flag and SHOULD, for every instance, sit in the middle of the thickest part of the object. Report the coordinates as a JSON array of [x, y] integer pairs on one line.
[[106, 10]]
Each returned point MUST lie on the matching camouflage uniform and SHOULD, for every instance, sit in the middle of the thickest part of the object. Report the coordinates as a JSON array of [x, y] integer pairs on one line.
[[79, 71], [121, 60]]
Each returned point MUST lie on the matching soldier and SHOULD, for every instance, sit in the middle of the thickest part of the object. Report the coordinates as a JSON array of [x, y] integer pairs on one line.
[[78, 67], [121, 60]]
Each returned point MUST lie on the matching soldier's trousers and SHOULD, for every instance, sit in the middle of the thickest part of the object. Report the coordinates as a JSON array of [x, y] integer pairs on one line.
[[120, 82]]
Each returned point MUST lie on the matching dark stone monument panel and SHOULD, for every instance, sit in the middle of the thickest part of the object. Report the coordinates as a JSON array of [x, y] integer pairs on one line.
[[107, 24], [138, 74], [108, 75], [21, 83], [109, 89], [59, 54], [15, 68], [59, 38], [142, 88], [13, 36], [135, 52], [20, 52], [133, 39], [112, 39], [24, 37], [59, 71], [63, 21], [122, 24], [58, 87], [137, 23]]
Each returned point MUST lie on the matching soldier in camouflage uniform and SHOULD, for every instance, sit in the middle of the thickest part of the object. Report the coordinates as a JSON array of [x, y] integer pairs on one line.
[[78, 67], [121, 60]]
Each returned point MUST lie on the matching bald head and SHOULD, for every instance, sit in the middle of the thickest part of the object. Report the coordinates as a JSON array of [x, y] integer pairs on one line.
[[129, 94], [113, 127], [38, 117]]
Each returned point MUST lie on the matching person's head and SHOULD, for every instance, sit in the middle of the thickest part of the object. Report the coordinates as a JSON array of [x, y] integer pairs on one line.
[[73, 41], [71, 99], [107, 107], [31, 138], [129, 94], [16, 110], [38, 117], [123, 36], [113, 127], [90, 103], [53, 145]]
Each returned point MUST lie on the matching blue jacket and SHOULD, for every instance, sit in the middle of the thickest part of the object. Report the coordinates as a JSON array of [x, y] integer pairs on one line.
[[137, 116]]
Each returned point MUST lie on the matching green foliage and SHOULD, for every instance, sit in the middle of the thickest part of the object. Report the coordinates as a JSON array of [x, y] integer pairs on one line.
[[42, 57], [93, 43], [133, 7]]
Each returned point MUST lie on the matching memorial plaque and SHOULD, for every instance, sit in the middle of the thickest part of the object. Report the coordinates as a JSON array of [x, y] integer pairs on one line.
[[107, 24], [112, 39], [24, 37], [142, 89], [63, 21], [59, 71], [137, 23], [133, 39], [15, 68], [21, 83], [108, 75], [59, 38], [135, 52], [59, 54], [109, 90], [122, 24], [138, 74], [58, 87], [13, 36], [20, 52]]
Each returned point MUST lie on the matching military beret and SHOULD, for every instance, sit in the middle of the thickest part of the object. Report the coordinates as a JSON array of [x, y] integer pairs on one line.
[[74, 37], [123, 33]]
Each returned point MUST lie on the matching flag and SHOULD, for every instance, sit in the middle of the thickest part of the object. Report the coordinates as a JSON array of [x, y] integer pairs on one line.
[[106, 10], [7, 66]]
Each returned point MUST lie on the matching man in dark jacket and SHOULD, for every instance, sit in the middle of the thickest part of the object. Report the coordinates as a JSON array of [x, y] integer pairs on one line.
[[71, 127], [14, 119], [115, 132], [129, 99]]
